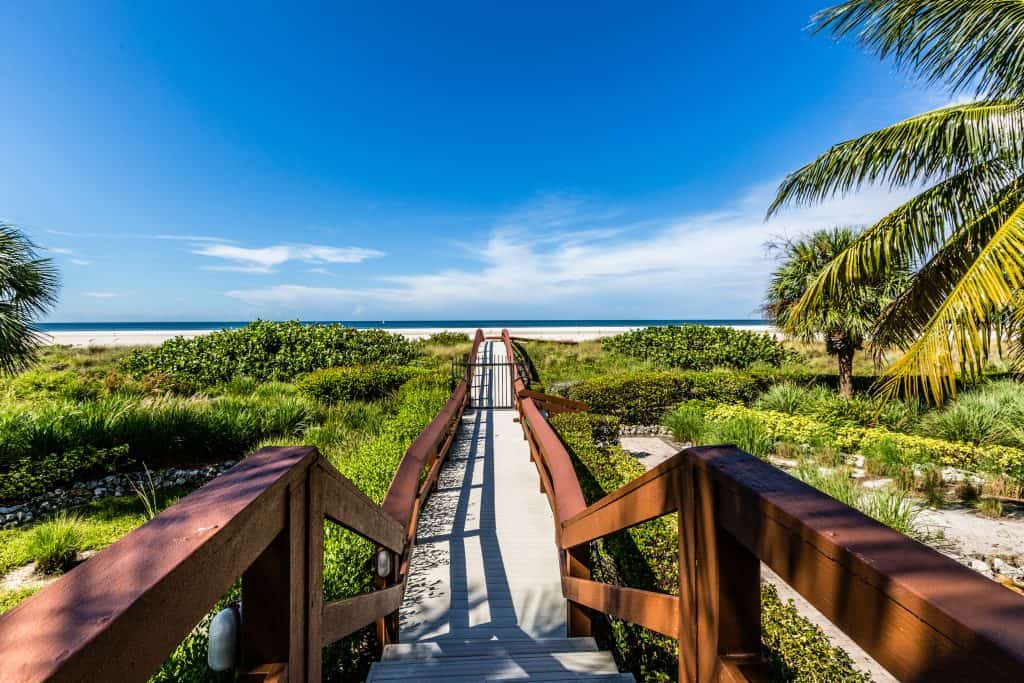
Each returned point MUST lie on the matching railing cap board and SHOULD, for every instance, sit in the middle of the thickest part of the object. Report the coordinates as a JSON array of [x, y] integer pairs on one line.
[[117, 616], [568, 496], [967, 608]]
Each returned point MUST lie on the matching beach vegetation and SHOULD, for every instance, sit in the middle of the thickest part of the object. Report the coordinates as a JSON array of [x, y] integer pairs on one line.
[[265, 350], [700, 347]]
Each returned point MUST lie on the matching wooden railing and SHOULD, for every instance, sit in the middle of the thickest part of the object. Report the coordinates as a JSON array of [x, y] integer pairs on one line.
[[119, 615], [921, 615]]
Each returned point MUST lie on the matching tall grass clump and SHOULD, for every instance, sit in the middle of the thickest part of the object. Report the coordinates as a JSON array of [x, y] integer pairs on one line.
[[55, 543], [992, 414], [890, 507], [746, 432], [785, 398], [687, 423]]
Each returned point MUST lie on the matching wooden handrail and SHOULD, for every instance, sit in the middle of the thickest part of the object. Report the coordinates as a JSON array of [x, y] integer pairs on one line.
[[920, 614], [120, 614]]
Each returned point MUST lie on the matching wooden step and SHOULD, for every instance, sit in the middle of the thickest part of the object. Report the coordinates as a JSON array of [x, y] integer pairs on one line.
[[485, 648], [542, 666]]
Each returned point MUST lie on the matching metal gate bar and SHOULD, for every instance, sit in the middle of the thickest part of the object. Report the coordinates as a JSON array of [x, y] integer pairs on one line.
[[490, 382]]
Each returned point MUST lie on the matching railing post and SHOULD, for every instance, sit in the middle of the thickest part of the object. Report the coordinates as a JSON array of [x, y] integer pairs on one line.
[[274, 623], [578, 618], [315, 576], [387, 627], [719, 586]]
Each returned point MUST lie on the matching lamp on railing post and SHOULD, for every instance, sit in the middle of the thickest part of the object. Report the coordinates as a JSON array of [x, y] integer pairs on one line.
[[385, 564]]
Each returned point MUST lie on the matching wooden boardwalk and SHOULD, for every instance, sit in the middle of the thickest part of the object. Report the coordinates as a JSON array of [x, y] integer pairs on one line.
[[484, 597]]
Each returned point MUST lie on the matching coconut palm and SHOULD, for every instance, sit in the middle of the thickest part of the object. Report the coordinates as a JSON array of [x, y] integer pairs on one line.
[[964, 232], [845, 317], [28, 288]]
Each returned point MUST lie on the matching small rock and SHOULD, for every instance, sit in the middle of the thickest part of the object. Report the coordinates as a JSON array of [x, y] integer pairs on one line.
[[981, 567]]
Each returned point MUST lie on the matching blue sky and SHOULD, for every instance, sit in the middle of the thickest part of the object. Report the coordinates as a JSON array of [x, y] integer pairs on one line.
[[204, 161]]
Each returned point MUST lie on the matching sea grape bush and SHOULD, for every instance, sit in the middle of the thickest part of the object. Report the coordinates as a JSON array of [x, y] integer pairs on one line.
[[700, 347], [265, 350], [356, 383]]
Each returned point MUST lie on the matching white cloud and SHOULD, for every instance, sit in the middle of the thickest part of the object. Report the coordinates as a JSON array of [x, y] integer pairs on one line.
[[265, 259], [61, 250], [561, 256], [81, 262], [99, 295]]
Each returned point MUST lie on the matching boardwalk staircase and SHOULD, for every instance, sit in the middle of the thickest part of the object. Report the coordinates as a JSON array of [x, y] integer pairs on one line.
[[516, 605]]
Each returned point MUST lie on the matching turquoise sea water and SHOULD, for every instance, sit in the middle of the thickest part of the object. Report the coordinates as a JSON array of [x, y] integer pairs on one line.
[[376, 324]]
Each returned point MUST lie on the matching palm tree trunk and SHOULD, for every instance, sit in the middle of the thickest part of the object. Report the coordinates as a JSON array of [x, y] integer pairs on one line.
[[845, 357]]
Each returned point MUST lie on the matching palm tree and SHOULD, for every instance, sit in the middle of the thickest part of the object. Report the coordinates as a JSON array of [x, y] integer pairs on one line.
[[28, 288], [964, 233], [844, 318]]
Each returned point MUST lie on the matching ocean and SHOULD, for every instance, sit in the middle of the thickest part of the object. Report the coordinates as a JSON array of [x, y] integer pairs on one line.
[[160, 326]]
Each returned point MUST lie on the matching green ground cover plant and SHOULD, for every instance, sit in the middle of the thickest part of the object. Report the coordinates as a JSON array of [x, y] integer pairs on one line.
[[267, 350], [700, 347], [910, 448], [360, 383], [645, 557]]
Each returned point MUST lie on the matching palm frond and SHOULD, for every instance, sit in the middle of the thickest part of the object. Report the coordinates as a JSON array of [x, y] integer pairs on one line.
[[970, 45], [28, 288], [956, 292], [937, 144], [917, 229]]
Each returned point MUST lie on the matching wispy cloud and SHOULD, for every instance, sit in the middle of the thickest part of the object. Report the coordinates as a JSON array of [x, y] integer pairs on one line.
[[81, 262], [266, 259], [99, 295], [60, 250], [564, 254]]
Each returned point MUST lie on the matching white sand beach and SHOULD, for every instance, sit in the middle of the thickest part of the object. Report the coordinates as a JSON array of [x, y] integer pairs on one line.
[[85, 338]]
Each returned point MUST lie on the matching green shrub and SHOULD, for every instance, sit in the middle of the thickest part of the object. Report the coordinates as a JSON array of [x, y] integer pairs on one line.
[[356, 383], [646, 557], [447, 338], [687, 423], [644, 397], [54, 544], [699, 347], [34, 476], [269, 351]]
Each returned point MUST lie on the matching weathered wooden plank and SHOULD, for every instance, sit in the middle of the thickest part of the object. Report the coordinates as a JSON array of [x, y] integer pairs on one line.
[[656, 611], [343, 617], [345, 504], [652, 495]]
